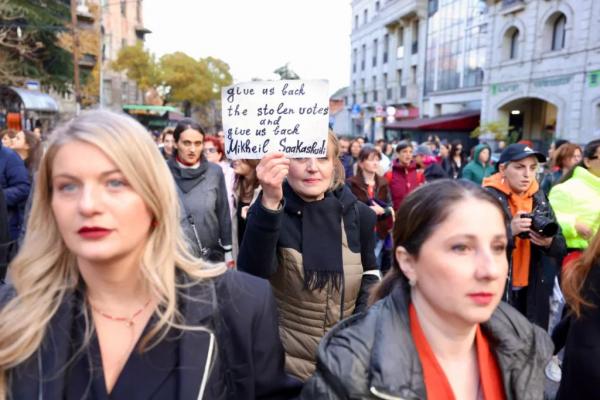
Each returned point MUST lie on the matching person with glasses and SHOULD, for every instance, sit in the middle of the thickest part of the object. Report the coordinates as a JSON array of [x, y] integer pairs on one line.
[[203, 194], [214, 153], [313, 239]]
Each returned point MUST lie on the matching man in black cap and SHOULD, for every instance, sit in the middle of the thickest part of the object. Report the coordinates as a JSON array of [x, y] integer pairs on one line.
[[534, 253]]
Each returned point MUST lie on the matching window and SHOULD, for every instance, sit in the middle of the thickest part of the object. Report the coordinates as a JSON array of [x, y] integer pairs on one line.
[[124, 91], [399, 78], [364, 57], [365, 16], [356, 22], [374, 88], [376, 6], [354, 59], [107, 91], [413, 74], [123, 8], [415, 37], [375, 45], [559, 33], [386, 45], [514, 45], [400, 49]]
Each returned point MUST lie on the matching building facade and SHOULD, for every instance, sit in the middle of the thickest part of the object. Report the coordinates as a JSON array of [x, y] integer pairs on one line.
[[387, 74], [543, 77], [122, 25], [457, 47]]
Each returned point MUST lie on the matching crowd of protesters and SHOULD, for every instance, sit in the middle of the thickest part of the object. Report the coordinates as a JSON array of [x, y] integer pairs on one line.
[[391, 269]]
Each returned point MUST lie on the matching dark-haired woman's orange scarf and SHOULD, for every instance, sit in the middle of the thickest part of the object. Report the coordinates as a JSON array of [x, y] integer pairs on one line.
[[436, 383]]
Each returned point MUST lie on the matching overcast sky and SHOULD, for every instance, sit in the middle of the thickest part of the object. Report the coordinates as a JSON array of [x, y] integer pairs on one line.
[[257, 36]]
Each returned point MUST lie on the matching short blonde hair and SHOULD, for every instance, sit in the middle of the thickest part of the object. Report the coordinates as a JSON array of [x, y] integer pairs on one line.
[[45, 269]]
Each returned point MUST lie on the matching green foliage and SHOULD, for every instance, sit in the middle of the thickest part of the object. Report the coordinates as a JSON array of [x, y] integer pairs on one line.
[[139, 64], [285, 72], [39, 56], [177, 76], [497, 129]]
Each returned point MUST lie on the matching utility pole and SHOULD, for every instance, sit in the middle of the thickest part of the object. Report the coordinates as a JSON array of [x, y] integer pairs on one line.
[[75, 54]]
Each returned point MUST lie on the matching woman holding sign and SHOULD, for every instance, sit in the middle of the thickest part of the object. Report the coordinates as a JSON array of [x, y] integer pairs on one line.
[[314, 240]]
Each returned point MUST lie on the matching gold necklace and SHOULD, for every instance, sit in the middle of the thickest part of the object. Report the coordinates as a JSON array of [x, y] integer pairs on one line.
[[128, 320]]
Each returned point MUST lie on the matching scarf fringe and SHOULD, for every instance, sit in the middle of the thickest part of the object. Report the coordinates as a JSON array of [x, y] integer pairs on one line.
[[318, 280]]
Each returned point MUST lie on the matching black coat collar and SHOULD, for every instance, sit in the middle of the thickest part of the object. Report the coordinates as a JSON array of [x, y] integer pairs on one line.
[[197, 305]]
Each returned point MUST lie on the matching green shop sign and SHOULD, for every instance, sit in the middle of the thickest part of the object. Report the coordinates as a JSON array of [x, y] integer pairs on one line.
[[594, 79], [499, 88], [554, 81]]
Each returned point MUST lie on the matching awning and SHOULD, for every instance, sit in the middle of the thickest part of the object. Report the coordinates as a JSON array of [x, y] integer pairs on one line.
[[463, 121], [35, 101], [144, 109]]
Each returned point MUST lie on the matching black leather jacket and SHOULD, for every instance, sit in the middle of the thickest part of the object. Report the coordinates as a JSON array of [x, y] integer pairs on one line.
[[372, 355]]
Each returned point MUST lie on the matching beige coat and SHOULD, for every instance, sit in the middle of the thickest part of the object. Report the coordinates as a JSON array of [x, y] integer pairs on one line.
[[306, 316]]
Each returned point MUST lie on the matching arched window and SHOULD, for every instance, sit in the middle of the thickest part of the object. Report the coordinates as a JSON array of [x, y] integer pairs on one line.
[[559, 33], [514, 45]]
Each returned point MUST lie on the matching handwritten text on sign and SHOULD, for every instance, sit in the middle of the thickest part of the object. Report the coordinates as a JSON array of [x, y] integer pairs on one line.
[[291, 117]]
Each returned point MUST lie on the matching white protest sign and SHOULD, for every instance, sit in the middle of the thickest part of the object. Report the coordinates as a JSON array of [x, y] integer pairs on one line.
[[262, 117]]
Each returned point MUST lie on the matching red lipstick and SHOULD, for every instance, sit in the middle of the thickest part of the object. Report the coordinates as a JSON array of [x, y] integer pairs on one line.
[[93, 232], [482, 298]]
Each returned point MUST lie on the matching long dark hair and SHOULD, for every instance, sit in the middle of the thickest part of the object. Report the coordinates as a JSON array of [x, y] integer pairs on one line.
[[453, 146], [244, 186], [588, 152], [420, 213]]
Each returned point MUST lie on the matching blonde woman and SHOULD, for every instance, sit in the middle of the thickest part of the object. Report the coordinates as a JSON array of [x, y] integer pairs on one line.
[[106, 299]]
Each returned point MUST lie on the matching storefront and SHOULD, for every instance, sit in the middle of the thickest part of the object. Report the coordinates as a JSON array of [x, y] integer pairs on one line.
[[27, 109]]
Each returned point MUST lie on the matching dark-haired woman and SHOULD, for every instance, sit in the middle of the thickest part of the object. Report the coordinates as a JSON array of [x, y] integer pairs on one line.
[[580, 368], [404, 174], [374, 191], [454, 163], [27, 146], [245, 191], [167, 143], [437, 328], [203, 194], [314, 240]]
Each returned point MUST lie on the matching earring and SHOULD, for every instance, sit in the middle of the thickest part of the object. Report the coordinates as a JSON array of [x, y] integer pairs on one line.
[[412, 282]]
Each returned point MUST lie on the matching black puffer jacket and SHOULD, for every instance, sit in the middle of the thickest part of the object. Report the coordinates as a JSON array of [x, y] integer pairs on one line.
[[372, 355]]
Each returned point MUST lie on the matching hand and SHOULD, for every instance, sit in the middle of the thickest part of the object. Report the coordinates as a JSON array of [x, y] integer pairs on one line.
[[519, 225], [271, 171], [583, 230], [540, 240], [377, 209]]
